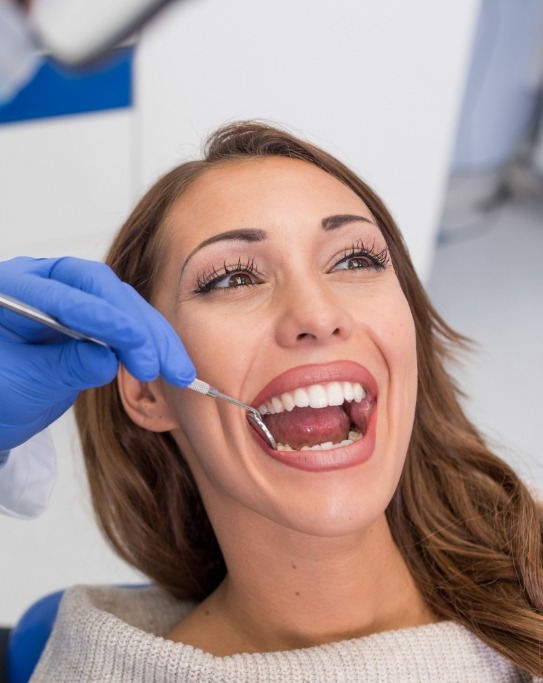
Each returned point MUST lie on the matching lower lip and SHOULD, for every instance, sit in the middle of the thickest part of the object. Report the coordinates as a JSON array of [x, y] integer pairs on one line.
[[355, 454]]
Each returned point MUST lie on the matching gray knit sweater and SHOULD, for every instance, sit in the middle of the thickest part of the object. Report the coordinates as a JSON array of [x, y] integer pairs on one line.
[[112, 635]]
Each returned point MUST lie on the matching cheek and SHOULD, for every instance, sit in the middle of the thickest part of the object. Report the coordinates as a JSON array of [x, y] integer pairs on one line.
[[387, 318], [396, 342], [399, 333], [197, 429], [405, 376], [402, 341], [199, 336], [216, 342]]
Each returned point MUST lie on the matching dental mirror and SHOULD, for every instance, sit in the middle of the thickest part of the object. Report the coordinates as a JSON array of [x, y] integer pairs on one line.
[[252, 413]]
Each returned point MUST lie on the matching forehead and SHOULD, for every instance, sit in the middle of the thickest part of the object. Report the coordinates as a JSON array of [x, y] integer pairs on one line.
[[266, 191]]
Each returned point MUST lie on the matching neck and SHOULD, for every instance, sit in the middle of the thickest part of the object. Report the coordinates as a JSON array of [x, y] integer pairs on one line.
[[307, 591]]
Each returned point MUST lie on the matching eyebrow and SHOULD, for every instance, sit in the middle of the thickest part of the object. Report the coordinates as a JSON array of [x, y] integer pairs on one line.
[[258, 235], [239, 235], [333, 222]]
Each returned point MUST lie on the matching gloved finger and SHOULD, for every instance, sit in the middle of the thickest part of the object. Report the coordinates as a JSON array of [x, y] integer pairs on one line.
[[84, 365], [110, 316], [62, 368], [86, 313], [34, 282], [175, 364], [41, 382], [172, 360]]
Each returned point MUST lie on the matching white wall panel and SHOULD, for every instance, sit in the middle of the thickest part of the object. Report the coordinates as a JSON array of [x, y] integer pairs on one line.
[[63, 546], [66, 184]]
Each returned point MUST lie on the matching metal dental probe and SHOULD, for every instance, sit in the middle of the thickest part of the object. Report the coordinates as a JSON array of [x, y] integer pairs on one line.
[[34, 314], [252, 413], [197, 385]]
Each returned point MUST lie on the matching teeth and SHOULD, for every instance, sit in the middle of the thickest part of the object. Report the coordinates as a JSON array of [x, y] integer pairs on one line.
[[277, 405], [288, 401], [335, 394], [300, 398], [348, 391], [315, 396], [326, 446]]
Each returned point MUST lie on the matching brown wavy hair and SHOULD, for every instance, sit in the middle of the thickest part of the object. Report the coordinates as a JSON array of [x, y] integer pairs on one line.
[[469, 530]]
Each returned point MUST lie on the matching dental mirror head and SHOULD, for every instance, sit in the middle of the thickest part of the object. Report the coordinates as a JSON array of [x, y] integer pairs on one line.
[[253, 416], [256, 420]]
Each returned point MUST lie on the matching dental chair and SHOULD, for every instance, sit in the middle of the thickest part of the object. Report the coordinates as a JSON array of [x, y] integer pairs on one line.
[[28, 638]]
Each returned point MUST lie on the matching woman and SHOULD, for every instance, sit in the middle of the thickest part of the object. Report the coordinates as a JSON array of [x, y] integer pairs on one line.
[[401, 549]]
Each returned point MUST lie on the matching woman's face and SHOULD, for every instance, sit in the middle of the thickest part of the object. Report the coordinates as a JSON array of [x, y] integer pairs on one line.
[[279, 283]]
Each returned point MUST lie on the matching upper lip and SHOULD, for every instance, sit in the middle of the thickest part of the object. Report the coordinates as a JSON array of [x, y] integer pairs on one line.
[[305, 375]]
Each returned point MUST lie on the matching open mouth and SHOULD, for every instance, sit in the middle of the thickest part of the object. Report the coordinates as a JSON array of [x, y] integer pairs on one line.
[[319, 416]]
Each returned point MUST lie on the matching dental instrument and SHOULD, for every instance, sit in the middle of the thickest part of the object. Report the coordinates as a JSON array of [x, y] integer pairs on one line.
[[34, 314], [197, 385], [252, 413]]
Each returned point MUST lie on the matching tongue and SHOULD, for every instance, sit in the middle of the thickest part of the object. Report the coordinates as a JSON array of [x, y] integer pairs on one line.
[[309, 426]]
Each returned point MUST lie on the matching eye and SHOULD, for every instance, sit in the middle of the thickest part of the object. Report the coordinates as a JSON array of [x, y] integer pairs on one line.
[[362, 257], [235, 280], [354, 263], [229, 277]]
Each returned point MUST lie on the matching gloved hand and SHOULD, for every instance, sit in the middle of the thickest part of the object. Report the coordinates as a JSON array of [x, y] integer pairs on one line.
[[42, 371]]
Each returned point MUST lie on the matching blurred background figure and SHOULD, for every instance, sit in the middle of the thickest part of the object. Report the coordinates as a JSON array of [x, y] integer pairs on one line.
[[499, 141]]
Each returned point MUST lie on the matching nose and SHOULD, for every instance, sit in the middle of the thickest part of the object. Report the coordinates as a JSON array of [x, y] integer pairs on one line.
[[311, 316]]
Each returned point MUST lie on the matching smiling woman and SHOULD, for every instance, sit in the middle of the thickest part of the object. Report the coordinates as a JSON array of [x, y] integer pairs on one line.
[[381, 536]]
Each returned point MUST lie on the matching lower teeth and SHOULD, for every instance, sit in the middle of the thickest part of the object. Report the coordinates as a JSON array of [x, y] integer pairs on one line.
[[326, 446]]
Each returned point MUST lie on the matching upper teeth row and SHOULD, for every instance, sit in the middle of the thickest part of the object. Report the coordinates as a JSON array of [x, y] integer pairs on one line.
[[314, 396]]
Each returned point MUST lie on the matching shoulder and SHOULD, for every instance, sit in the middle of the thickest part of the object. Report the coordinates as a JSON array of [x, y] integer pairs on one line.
[[141, 607], [100, 630]]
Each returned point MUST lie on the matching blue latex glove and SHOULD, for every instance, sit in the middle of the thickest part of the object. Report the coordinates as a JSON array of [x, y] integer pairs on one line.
[[42, 371]]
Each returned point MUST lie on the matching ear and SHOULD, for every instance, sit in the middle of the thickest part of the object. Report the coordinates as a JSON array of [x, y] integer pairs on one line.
[[145, 403]]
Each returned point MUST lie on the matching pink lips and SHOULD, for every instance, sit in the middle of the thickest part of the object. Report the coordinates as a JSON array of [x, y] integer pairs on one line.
[[305, 375]]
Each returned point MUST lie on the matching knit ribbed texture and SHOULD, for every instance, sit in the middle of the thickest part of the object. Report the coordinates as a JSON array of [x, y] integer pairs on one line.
[[112, 635]]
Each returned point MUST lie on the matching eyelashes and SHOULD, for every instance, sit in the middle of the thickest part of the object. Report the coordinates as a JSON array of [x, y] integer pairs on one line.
[[209, 281], [360, 256]]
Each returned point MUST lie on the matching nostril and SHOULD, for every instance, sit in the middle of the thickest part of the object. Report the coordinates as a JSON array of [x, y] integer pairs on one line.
[[303, 335]]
